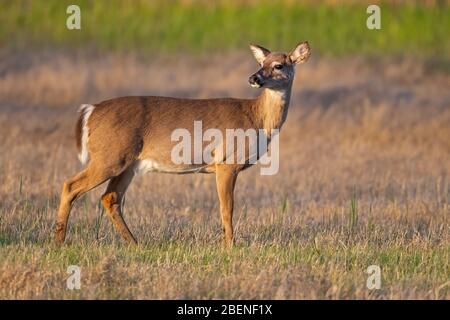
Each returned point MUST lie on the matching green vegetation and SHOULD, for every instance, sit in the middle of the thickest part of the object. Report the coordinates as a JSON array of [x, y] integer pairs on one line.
[[364, 171], [166, 26], [196, 271]]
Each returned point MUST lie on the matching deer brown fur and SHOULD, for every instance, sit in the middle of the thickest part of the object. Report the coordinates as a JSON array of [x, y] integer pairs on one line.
[[120, 134]]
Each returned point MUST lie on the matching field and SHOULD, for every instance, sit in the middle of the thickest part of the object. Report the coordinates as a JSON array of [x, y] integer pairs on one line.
[[334, 27], [364, 180], [364, 173]]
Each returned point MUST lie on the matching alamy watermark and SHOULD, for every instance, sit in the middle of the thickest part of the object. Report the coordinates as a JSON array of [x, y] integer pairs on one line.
[[73, 22], [73, 282], [229, 146], [374, 279], [373, 22]]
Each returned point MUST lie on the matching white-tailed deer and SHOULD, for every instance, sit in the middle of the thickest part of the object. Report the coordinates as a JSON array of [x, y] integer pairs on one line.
[[118, 138]]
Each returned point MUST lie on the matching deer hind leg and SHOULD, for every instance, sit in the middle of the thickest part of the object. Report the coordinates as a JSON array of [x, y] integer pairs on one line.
[[112, 200], [72, 189], [226, 180]]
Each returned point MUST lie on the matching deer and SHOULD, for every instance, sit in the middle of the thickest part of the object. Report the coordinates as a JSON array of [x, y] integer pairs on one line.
[[122, 137]]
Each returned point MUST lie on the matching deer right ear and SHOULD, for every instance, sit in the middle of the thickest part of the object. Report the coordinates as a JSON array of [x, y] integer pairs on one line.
[[301, 53], [259, 53]]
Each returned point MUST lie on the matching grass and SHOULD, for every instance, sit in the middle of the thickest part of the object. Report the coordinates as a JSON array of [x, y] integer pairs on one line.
[[364, 180], [193, 271], [206, 26], [283, 259], [364, 165]]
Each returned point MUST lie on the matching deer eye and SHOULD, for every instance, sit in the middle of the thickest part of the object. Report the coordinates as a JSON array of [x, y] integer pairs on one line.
[[278, 66]]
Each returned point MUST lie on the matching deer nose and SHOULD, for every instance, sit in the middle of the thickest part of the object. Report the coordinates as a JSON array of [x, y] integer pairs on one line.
[[255, 80]]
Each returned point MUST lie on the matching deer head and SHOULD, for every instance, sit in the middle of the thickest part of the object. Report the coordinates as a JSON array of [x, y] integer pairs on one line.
[[277, 69]]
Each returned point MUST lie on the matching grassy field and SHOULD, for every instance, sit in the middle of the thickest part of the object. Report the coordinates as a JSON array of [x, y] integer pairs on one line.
[[364, 166], [206, 26], [364, 180]]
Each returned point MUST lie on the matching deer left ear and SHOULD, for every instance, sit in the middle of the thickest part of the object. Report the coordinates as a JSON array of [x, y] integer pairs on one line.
[[259, 53], [301, 53]]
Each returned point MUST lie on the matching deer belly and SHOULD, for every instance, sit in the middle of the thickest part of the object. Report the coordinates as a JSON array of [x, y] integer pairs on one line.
[[150, 165]]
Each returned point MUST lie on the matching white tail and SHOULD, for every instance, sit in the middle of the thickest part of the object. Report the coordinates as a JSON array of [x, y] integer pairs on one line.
[[85, 110]]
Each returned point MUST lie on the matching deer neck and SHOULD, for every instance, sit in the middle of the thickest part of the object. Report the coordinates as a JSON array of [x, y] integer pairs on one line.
[[272, 107]]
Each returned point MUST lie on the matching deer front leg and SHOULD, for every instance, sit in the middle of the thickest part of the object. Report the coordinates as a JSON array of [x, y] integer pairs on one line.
[[226, 179]]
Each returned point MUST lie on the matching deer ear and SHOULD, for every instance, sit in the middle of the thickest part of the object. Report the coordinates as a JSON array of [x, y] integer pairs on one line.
[[259, 53], [301, 53]]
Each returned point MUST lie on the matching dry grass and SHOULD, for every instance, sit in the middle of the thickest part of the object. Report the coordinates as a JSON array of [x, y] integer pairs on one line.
[[364, 180]]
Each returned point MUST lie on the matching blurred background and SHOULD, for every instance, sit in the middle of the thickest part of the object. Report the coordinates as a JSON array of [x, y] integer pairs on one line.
[[334, 27], [364, 153]]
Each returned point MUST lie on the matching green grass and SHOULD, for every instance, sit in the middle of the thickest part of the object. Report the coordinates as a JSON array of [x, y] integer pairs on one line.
[[199, 26], [362, 182], [107, 268]]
